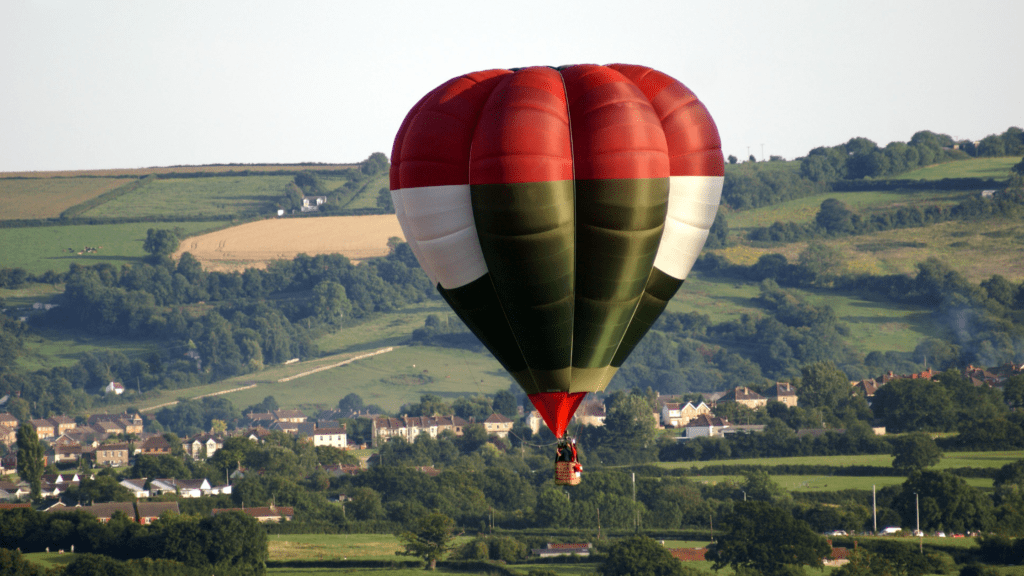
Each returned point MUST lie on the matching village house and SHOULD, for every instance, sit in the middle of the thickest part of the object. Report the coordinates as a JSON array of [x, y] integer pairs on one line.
[[289, 416], [137, 486], [409, 427], [114, 455], [590, 414], [8, 435], [782, 392], [674, 415], [115, 388], [336, 437], [706, 425], [8, 420], [62, 424], [44, 427], [125, 423], [60, 453], [105, 511], [107, 428], [498, 425], [183, 488], [202, 446], [534, 421], [745, 397], [312, 203], [154, 446], [150, 511]]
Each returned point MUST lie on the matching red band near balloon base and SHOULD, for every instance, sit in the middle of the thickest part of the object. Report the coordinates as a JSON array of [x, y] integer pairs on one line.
[[557, 408]]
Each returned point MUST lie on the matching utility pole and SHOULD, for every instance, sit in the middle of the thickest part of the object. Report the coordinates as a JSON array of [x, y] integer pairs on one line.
[[874, 508], [920, 535], [636, 512]]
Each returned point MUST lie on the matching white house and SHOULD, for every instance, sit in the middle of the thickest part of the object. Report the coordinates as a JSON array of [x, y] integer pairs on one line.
[[184, 488], [137, 486], [335, 437], [114, 388], [676, 415]]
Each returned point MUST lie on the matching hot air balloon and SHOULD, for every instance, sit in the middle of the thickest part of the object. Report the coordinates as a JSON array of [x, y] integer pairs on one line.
[[558, 210]]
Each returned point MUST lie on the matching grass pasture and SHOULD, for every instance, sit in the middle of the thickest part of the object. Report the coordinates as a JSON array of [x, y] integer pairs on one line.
[[196, 197], [803, 210], [949, 460], [37, 198], [998, 168], [50, 349], [333, 546], [389, 379], [976, 251], [57, 247], [873, 325], [50, 559]]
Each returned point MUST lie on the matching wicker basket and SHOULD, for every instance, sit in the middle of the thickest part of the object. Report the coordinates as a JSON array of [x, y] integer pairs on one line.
[[565, 473]]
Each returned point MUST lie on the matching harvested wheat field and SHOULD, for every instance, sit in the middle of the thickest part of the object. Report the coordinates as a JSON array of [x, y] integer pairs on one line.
[[253, 245]]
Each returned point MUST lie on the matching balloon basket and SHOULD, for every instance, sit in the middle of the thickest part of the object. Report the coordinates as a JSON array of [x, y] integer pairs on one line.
[[566, 474]]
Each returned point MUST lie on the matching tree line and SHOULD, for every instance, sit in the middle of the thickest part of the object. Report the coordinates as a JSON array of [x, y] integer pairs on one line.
[[835, 219], [229, 543]]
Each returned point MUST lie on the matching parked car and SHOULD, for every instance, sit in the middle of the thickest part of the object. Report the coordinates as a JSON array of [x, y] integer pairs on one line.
[[891, 530], [837, 533], [940, 534]]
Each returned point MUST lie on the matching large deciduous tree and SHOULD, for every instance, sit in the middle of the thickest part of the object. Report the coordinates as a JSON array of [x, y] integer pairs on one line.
[[30, 457], [766, 538], [160, 243], [946, 502], [640, 555], [914, 452], [430, 539]]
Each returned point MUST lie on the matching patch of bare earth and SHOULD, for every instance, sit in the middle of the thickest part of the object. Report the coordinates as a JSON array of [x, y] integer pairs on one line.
[[255, 244]]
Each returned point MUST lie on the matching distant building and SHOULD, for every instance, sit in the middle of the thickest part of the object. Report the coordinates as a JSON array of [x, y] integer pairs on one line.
[[706, 425], [782, 392], [409, 427], [497, 425], [744, 396], [336, 437]]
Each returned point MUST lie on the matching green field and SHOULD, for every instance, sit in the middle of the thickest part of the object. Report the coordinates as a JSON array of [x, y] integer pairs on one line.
[[998, 168], [811, 483], [57, 247], [873, 325], [31, 198], [803, 210], [949, 460], [47, 349], [976, 250], [196, 197]]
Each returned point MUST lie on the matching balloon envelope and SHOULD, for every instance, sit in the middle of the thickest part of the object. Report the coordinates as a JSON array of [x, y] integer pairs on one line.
[[558, 211]]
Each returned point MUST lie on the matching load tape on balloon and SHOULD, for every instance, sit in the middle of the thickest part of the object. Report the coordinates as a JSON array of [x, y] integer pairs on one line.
[[558, 211]]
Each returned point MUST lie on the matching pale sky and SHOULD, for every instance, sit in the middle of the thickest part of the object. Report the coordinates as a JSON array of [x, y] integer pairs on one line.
[[99, 84]]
